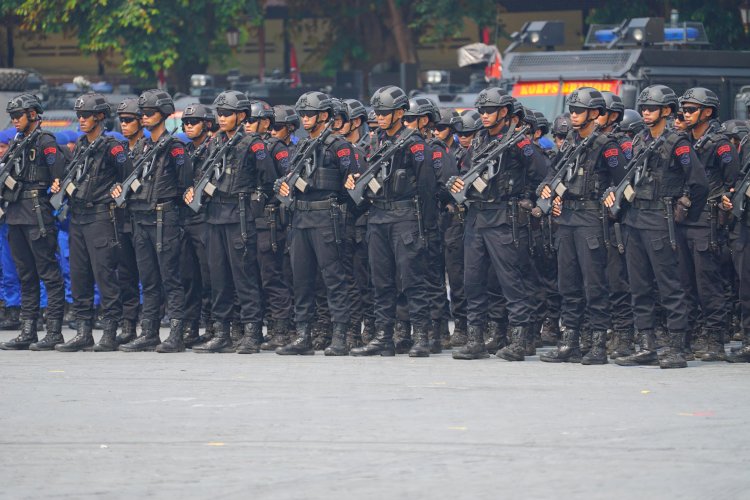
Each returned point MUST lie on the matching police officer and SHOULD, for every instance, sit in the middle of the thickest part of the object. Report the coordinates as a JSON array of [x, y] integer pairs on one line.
[[355, 132], [156, 225], [491, 242], [560, 129], [130, 116], [668, 173], [198, 123], [631, 124], [99, 162], [451, 222], [617, 273], [269, 224], [32, 235], [400, 213], [316, 231], [700, 252], [285, 122], [581, 246], [241, 167]]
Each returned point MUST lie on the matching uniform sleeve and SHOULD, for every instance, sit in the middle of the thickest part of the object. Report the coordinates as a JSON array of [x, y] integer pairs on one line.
[[183, 165], [344, 158], [264, 166], [117, 158], [416, 154], [444, 164], [729, 161], [281, 157], [614, 159], [53, 157], [696, 182]]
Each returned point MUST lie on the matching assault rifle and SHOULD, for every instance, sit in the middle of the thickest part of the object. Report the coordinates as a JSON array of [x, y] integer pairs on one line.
[[486, 157], [301, 159], [79, 165], [378, 160], [132, 182], [565, 166], [211, 166]]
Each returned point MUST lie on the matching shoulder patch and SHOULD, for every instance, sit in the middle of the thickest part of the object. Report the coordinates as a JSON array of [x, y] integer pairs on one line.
[[177, 151], [118, 153], [522, 144], [257, 147], [50, 150], [612, 152], [722, 150], [682, 150], [281, 155], [416, 148], [437, 155], [343, 152], [50, 155]]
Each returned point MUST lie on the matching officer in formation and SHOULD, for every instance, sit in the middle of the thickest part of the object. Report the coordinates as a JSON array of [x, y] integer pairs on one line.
[[623, 228]]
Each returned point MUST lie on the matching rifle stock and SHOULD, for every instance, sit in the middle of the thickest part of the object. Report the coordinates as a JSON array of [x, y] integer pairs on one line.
[[294, 179]]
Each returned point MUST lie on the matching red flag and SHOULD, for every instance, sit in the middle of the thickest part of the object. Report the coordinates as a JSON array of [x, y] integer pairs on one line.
[[293, 68], [493, 70]]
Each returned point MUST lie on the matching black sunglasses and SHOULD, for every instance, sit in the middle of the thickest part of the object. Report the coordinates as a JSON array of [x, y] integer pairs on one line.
[[252, 119], [651, 108], [84, 114], [689, 110], [278, 127], [409, 119], [16, 115], [191, 121], [576, 110], [465, 134], [224, 113], [442, 128], [308, 113], [488, 110], [383, 112], [127, 119], [680, 117], [150, 112]]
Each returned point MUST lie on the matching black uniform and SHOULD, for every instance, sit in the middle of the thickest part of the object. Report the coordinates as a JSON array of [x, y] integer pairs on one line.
[[156, 228], [360, 264], [32, 234], [93, 230]]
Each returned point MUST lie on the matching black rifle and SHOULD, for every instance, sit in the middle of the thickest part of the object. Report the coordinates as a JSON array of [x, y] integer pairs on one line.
[[670, 222], [210, 167], [301, 159], [487, 157], [378, 160], [9, 159], [77, 169], [625, 190], [741, 191], [132, 182], [565, 166]]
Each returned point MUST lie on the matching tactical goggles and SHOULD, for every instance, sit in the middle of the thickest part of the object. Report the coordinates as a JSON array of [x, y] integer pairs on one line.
[[442, 128], [130, 119], [278, 127], [689, 110], [16, 115], [150, 112], [252, 119], [224, 113], [680, 117], [383, 112], [84, 114], [488, 110], [465, 134], [191, 121], [410, 118], [651, 108], [576, 110], [308, 113]]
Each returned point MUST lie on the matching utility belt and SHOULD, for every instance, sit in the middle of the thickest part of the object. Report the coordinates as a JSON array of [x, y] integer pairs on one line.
[[393, 205], [32, 193], [273, 218], [577, 205], [647, 204], [309, 206], [489, 205], [414, 204], [158, 211], [36, 194]]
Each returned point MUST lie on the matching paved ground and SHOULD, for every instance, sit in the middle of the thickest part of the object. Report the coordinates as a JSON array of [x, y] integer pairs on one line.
[[117, 425]]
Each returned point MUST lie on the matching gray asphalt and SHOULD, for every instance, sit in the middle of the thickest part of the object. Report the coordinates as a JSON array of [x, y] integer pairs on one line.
[[118, 425]]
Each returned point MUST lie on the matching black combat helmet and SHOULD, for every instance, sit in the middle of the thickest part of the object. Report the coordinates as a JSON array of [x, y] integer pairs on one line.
[[340, 109], [129, 107], [286, 115], [702, 97], [471, 121], [561, 125], [389, 98], [518, 109], [494, 96], [355, 109], [233, 100], [588, 98], [24, 101], [631, 122], [736, 129], [259, 109], [157, 99], [658, 95], [421, 106], [614, 104], [201, 111], [314, 101], [449, 117], [542, 122], [92, 102]]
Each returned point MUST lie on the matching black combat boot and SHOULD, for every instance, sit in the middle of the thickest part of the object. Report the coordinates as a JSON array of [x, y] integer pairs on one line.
[[54, 337], [322, 331], [236, 333], [191, 334], [516, 350], [338, 345], [108, 340], [474, 348], [83, 341], [533, 337], [699, 342], [568, 350], [174, 342], [492, 337], [278, 335], [208, 334], [27, 337], [354, 335], [741, 354], [597, 355], [252, 339], [715, 347], [435, 335], [421, 347], [623, 344], [11, 321], [220, 342], [646, 354], [148, 339], [537, 334], [587, 339], [368, 333], [381, 345], [550, 331], [402, 337], [673, 356], [301, 345], [459, 338], [128, 333]]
